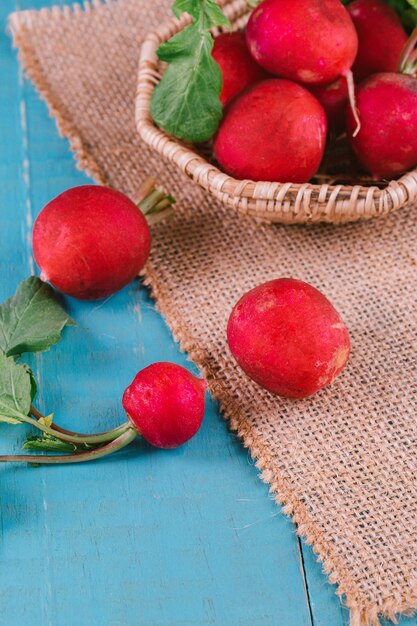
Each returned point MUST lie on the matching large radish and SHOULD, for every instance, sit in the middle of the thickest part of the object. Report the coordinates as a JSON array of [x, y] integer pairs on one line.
[[288, 337], [309, 41], [91, 241], [274, 131]]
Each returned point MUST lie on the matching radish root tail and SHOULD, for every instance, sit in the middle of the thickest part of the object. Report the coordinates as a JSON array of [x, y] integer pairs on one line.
[[352, 101]]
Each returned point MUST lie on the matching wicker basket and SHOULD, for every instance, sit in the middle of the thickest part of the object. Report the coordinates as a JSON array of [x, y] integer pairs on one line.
[[271, 202]]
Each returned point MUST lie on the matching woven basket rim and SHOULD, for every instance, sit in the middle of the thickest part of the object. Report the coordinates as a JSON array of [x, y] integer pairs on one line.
[[270, 201]]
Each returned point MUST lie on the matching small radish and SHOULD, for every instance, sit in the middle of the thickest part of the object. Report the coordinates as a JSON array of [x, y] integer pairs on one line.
[[334, 99], [387, 142], [288, 338], [381, 37], [91, 241], [274, 131], [166, 404], [308, 41], [239, 70]]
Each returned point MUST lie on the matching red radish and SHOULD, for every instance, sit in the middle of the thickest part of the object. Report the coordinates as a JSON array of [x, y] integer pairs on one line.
[[165, 402], [309, 41], [238, 68], [288, 338], [274, 131], [91, 241], [387, 142], [381, 37], [334, 100]]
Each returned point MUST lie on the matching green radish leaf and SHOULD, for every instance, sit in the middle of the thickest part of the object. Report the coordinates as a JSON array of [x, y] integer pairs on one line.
[[184, 6], [197, 8], [186, 102], [32, 320], [37, 442], [15, 390], [213, 14]]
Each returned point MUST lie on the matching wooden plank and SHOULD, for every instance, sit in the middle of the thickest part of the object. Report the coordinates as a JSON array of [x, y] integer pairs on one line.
[[326, 609], [148, 538]]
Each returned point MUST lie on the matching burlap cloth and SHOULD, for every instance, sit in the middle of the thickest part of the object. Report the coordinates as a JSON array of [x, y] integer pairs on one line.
[[343, 462]]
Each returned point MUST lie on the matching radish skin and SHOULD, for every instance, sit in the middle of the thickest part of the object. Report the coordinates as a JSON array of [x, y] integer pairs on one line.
[[288, 338], [334, 99], [239, 69], [381, 37], [309, 41], [274, 131], [90, 241], [387, 142], [165, 403]]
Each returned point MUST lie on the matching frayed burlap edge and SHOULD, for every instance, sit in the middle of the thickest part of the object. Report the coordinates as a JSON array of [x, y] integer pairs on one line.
[[362, 613]]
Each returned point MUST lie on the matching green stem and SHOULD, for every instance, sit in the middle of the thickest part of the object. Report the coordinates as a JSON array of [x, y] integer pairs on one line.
[[154, 201], [121, 442], [103, 437], [75, 437], [151, 201]]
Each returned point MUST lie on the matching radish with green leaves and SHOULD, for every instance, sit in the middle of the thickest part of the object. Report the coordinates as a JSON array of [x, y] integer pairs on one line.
[[165, 402], [165, 405]]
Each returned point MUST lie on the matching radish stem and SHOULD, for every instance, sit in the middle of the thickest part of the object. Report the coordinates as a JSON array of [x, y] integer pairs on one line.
[[121, 442], [154, 203], [75, 437], [145, 189], [107, 435]]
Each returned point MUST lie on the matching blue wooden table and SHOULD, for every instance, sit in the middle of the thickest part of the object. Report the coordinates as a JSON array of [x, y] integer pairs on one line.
[[185, 537]]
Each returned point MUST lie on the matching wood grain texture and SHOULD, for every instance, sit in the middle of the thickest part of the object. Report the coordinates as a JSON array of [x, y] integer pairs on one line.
[[185, 537]]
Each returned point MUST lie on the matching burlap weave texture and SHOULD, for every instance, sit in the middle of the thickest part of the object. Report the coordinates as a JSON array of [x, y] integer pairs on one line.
[[343, 462]]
